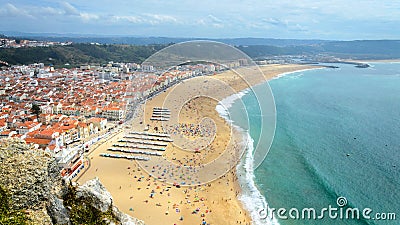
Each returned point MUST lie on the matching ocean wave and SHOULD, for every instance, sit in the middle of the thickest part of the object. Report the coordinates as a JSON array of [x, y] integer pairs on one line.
[[281, 75], [226, 103], [294, 72], [297, 76], [250, 196]]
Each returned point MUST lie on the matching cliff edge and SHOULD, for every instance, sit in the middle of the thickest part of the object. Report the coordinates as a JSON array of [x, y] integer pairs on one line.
[[33, 189]]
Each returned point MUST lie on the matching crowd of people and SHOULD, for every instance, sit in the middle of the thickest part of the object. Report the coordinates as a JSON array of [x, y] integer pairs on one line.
[[191, 130]]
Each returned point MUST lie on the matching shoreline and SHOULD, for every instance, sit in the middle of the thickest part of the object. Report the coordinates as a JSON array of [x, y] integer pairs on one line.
[[252, 200], [302, 70], [130, 195]]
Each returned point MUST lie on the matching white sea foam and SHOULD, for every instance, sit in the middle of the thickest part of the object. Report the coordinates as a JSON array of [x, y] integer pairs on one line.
[[250, 196], [224, 105], [293, 72]]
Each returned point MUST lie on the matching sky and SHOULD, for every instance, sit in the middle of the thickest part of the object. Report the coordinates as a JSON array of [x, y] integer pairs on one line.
[[297, 19]]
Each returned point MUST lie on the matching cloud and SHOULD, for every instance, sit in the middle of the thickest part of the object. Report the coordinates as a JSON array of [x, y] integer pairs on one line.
[[211, 20], [49, 11], [88, 16], [65, 9], [40, 12], [157, 18], [69, 9], [284, 24], [276, 22], [283, 18], [214, 19], [152, 19], [131, 19], [298, 27], [10, 10]]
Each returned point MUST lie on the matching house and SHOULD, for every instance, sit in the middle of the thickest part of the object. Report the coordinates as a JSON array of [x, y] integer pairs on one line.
[[71, 160], [98, 124], [41, 142], [3, 125], [45, 118], [27, 126], [54, 148], [84, 129], [7, 134], [69, 131], [113, 113]]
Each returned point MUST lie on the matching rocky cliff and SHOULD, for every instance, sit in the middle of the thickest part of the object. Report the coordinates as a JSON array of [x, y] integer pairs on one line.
[[32, 180]]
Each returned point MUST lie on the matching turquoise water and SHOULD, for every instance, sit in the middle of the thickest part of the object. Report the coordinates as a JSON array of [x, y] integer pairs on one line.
[[337, 134]]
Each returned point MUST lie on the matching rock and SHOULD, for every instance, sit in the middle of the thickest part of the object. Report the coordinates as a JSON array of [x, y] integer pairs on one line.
[[57, 211], [24, 171], [32, 177], [126, 219], [101, 199], [96, 193], [39, 217]]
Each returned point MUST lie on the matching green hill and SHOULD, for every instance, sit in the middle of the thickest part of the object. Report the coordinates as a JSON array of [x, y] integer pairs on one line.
[[78, 54], [367, 49], [84, 53]]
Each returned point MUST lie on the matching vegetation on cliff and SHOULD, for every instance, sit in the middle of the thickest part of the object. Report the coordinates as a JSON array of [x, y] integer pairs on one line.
[[7, 214], [32, 192], [82, 210]]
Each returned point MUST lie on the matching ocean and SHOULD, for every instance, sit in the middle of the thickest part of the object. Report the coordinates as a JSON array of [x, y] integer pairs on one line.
[[337, 135]]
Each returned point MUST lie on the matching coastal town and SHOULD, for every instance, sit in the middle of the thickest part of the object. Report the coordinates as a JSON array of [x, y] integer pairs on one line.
[[6, 42], [199, 112], [67, 111], [118, 123]]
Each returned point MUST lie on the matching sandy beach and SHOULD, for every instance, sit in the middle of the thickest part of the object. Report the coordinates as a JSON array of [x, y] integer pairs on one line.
[[194, 124]]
